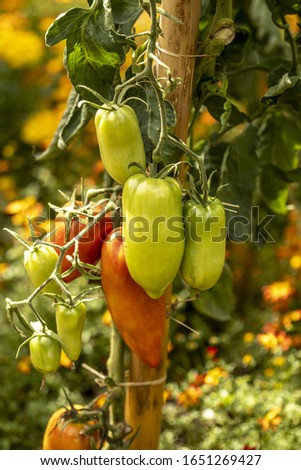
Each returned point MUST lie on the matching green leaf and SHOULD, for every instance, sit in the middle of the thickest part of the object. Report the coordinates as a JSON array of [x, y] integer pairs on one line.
[[220, 106], [218, 302], [287, 88], [279, 137], [65, 24], [239, 173], [291, 176], [126, 13], [72, 122], [93, 53]]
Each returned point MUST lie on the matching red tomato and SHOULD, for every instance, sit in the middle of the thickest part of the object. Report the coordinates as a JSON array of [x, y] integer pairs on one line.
[[89, 249], [139, 318]]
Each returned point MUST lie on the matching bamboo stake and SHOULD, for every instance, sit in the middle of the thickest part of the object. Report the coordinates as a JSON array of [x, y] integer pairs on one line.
[[143, 406]]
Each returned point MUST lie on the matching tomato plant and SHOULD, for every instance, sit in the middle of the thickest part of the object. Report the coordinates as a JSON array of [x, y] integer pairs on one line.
[[65, 431], [205, 243], [120, 141], [70, 321], [153, 231], [139, 318]]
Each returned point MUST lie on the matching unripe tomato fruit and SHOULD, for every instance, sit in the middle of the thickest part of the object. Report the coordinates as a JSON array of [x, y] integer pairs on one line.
[[153, 231], [45, 353], [63, 435], [70, 320], [39, 262], [120, 141], [205, 244]]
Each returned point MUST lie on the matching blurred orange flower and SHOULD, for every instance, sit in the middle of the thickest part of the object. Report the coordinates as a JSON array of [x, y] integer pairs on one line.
[[24, 365], [271, 420], [280, 290], [189, 397]]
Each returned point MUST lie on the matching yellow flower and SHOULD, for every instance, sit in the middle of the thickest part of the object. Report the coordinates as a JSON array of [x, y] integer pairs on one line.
[[248, 359], [279, 361], [290, 317], [248, 337], [295, 262], [213, 376], [19, 47], [39, 128], [106, 318], [268, 341], [272, 419], [189, 397], [269, 372], [277, 291]]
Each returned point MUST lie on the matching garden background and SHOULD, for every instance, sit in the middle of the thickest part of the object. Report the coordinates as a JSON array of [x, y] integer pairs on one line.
[[234, 374]]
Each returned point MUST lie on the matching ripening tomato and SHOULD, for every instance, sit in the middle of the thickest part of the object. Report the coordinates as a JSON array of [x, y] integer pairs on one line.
[[89, 246], [139, 318], [63, 432]]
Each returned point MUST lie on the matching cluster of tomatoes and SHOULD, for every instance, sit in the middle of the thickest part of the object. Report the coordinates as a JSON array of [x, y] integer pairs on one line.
[[159, 236]]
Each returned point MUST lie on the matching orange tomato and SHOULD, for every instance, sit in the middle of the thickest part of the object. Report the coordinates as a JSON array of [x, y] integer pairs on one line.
[[62, 433]]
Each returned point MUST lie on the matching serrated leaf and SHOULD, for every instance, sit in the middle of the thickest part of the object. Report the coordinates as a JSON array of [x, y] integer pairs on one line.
[[218, 302], [94, 53], [65, 24]]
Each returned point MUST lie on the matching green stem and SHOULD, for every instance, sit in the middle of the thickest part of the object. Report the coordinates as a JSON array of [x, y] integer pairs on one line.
[[200, 161], [293, 44], [116, 371]]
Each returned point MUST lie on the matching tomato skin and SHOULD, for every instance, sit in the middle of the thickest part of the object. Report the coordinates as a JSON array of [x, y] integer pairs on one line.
[[89, 246], [205, 244], [153, 231], [139, 319], [39, 262], [45, 353], [70, 322], [120, 141], [61, 436]]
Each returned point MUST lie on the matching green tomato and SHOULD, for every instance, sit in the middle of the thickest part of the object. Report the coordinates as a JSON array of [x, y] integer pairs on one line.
[[204, 255], [153, 231], [45, 353], [120, 141], [70, 321], [39, 262]]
